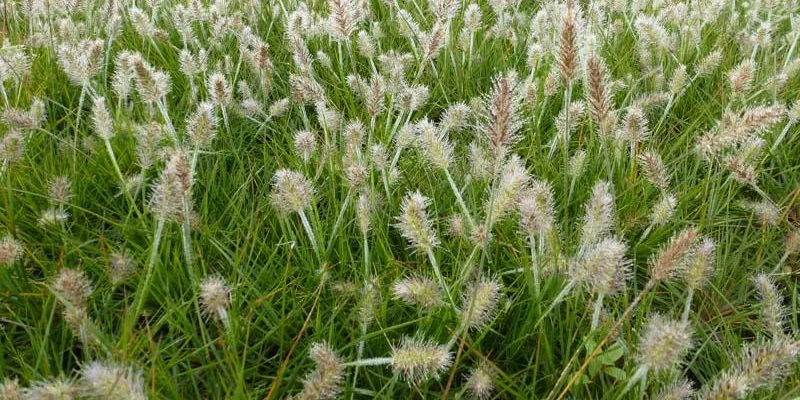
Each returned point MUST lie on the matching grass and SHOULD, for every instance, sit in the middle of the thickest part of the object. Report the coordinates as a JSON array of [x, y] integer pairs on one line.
[[285, 296]]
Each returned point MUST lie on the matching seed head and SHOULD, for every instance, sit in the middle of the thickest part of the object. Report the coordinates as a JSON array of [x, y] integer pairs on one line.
[[291, 191], [699, 269], [101, 118], [434, 144], [514, 180], [12, 147], [414, 224], [10, 250], [305, 143], [675, 256], [417, 359], [663, 210], [502, 119], [599, 217], [74, 286], [654, 170], [537, 209], [479, 382], [120, 267], [174, 185], [765, 210], [664, 343], [279, 107], [201, 126], [419, 291], [602, 268], [480, 302], [680, 390], [60, 192], [215, 297], [325, 382], [772, 309], [57, 389], [108, 380], [10, 390]]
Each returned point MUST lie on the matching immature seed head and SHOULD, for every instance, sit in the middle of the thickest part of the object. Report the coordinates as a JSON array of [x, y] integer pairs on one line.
[[291, 191], [414, 224], [111, 381], [417, 359], [219, 89], [419, 291], [664, 343], [10, 250]]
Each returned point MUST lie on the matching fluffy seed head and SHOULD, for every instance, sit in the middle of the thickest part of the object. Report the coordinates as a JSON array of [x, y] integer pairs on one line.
[[434, 144], [568, 44], [57, 389], [663, 343], [602, 268], [215, 297], [673, 257], [305, 143], [765, 210], [417, 359], [479, 382], [419, 291], [514, 179], [663, 210], [699, 269], [174, 185], [110, 381], [10, 250], [101, 118], [325, 382], [654, 170], [414, 224], [480, 302], [12, 147], [772, 310], [120, 267], [599, 217], [201, 126], [74, 286], [219, 89], [680, 390], [502, 120], [537, 209], [60, 192], [291, 191]]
